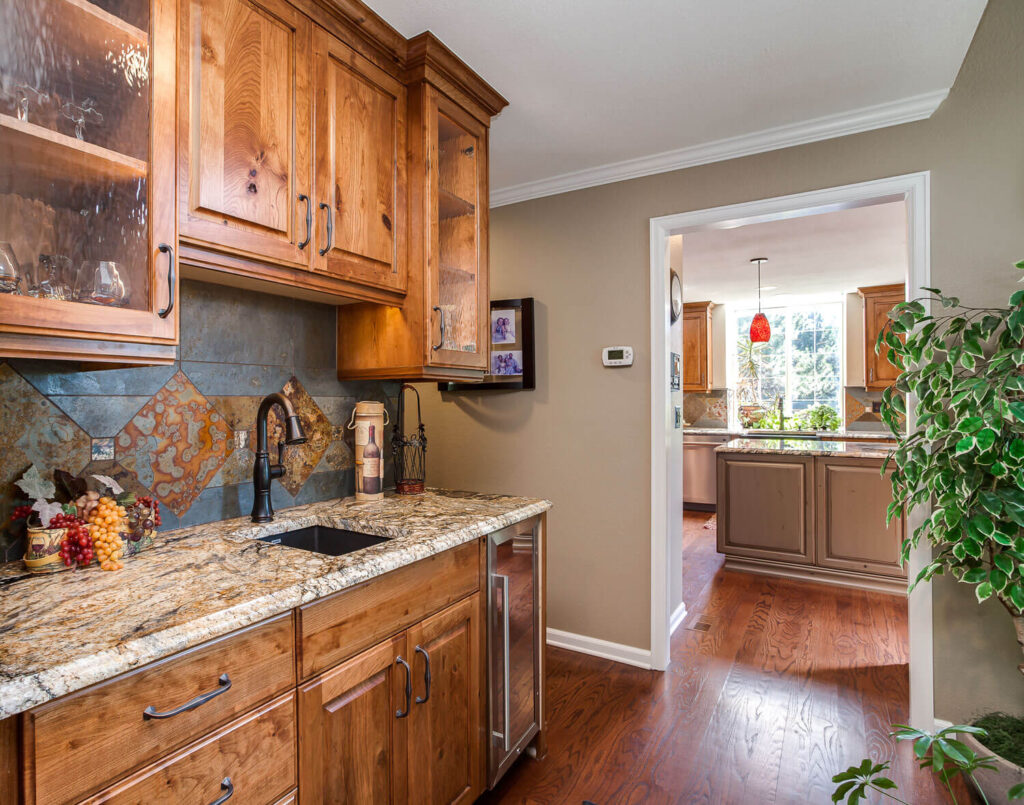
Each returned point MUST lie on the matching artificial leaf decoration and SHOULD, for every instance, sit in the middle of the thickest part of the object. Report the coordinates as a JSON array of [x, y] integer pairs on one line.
[[47, 511], [35, 486], [69, 486], [109, 483]]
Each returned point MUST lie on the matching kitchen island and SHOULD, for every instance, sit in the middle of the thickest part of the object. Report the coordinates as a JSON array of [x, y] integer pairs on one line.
[[216, 651], [810, 510]]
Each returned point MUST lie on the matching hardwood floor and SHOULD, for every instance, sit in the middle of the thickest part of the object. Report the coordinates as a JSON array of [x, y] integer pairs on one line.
[[790, 683]]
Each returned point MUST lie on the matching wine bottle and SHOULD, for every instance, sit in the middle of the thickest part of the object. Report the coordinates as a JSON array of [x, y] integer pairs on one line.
[[371, 465]]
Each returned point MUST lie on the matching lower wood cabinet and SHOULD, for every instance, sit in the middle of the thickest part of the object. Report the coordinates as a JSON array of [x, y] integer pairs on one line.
[[851, 493], [766, 507], [252, 759], [400, 722]]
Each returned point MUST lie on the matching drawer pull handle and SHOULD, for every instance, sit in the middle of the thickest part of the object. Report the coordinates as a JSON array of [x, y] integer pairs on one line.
[[169, 251], [426, 676], [408, 688], [330, 228], [309, 221], [228, 788], [223, 686]]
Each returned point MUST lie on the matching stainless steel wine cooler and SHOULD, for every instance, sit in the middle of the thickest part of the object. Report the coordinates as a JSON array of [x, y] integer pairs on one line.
[[514, 643]]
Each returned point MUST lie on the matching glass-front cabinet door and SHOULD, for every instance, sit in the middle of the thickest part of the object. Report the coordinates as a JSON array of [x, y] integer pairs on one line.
[[87, 179], [457, 261]]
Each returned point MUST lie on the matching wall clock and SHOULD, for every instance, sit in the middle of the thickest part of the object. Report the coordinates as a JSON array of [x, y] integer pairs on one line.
[[676, 295]]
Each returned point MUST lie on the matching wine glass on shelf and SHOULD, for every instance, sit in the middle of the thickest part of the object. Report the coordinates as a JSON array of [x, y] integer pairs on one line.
[[102, 283], [80, 114], [54, 277], [10, 273]]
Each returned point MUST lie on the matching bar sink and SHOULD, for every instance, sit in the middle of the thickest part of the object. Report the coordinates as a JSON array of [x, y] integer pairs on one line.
[[324, 539]]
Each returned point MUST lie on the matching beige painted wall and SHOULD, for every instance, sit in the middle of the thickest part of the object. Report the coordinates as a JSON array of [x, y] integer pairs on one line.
[[581, 439], [854, 340]]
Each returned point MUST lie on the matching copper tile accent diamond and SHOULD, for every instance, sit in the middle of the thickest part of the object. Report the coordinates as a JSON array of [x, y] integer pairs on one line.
[[35, 431], [299, 460], [176, 444]]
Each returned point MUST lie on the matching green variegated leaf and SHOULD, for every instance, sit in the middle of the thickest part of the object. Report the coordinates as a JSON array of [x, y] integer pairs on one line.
[[970, 424], [997, 578], [983, 591], [964, 445], [1004, 563]]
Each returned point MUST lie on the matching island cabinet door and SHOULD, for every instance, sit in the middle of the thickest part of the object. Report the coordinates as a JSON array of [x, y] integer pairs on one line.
[[244, 128], [360, 176], [766, 507], [852, 498], [446, 730], [353, 729]]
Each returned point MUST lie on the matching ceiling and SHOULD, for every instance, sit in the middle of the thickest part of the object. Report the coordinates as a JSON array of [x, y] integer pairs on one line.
[[595, 84], [814, 255]]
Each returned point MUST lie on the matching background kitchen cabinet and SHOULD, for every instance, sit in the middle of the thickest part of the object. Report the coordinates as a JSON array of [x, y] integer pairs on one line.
[[852, 498], [766, 507], [879, 374], [360, 177], [244, 138], [697, 351], [87, 175], [442, 330]]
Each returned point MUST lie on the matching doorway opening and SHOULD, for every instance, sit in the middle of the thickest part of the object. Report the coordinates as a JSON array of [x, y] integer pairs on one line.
[[808, 371]]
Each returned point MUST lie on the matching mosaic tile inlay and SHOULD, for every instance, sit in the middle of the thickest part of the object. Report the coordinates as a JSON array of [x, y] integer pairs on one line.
[[299, 460], [176, 444]]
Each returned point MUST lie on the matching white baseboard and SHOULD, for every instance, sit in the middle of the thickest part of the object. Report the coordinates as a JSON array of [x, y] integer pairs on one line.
[[630, 655], [677, 618]]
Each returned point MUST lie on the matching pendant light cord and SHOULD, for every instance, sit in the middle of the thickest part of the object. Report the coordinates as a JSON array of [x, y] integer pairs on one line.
[[758, 286]]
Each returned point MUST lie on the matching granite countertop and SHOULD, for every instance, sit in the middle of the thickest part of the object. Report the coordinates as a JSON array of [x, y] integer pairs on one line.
[[805, 447], [60, 633], [765, 434]]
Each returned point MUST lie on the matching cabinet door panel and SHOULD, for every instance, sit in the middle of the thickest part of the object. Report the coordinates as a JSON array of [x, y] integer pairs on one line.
[[352, 747], [766, 507], [248, 129], [360, 167], [457, 322], [852, 497], [446, 731]]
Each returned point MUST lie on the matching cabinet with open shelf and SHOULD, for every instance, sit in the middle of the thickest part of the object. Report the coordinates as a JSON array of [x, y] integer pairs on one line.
[[87, 179]]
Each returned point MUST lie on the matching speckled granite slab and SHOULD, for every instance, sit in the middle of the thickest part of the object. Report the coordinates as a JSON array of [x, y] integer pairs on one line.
[[805, 447], [61, 633]]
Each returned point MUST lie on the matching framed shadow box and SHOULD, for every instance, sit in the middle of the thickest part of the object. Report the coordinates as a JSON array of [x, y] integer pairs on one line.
[[511, 358]]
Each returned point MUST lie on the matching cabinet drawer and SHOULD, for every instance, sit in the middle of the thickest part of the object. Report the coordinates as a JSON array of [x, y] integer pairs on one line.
[[101, 733], [337, 627], [253, 757]]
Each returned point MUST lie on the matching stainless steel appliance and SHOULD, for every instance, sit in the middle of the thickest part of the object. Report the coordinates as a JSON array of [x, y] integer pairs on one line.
[[514, 643], [700, 480]]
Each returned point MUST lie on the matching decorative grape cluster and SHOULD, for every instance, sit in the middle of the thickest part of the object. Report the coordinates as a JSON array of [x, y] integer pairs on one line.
[[21, 513], [76, 547], [105, 528]]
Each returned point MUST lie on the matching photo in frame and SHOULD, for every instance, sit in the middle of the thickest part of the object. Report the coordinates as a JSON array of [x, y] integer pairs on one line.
[[510, 361]]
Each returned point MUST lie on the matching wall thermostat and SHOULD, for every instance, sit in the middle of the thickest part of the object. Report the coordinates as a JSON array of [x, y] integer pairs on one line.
[[617, 356]]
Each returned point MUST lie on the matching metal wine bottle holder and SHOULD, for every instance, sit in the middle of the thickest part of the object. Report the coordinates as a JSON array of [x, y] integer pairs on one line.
[[409, 451]]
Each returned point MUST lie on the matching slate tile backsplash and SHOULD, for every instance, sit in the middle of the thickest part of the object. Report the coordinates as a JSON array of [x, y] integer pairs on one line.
[[185, 432]]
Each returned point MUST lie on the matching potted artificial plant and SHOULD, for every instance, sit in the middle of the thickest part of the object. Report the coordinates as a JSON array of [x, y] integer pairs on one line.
[[965, 366]]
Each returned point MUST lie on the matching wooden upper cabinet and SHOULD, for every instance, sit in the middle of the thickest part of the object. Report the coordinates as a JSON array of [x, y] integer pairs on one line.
[[87, 231], [697, 349], [245, 135], [879, 373], [360, 176]]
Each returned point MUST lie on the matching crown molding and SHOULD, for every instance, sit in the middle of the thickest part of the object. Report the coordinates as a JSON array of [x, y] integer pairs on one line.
[[893, 113]]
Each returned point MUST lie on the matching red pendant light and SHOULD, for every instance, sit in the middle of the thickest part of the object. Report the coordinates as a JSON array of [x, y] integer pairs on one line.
[[760, 329]]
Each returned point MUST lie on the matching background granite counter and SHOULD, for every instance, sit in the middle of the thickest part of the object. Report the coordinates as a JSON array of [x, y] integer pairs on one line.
[[63, 632], [806, 447]]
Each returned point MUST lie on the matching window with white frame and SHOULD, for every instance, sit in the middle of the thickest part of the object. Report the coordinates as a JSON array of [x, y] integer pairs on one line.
[[802, 362]]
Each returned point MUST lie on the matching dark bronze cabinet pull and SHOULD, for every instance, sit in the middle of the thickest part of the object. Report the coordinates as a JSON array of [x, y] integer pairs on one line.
[[330, 228], [426, 675], [228, 788], [309, 220], [168, 250], [224, 685], [408, 688], [439, 344]]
